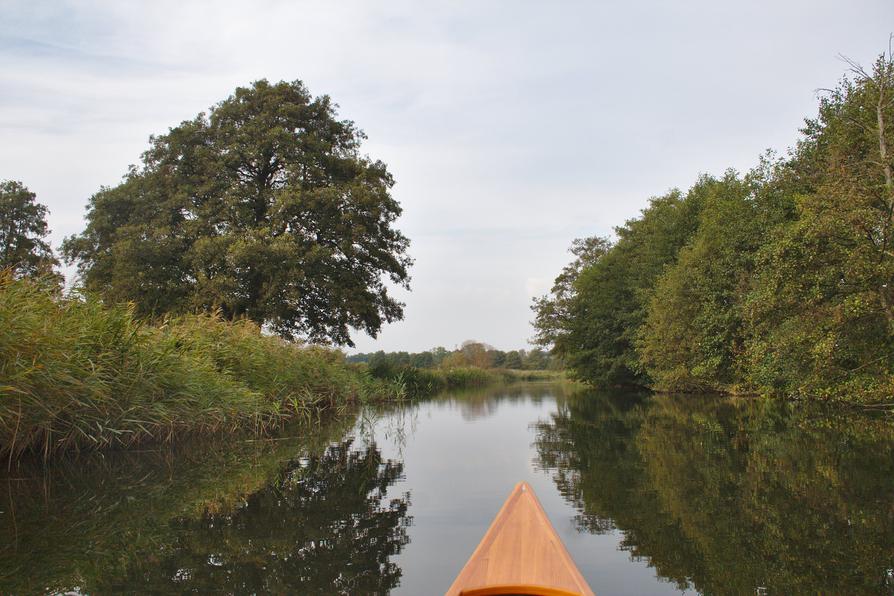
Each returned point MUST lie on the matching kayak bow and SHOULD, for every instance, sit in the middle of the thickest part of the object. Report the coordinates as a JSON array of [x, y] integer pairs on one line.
[[520, 554]]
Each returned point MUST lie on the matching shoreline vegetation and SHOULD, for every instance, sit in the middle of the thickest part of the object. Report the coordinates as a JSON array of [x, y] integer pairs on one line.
[[778, 282], [78, 374]]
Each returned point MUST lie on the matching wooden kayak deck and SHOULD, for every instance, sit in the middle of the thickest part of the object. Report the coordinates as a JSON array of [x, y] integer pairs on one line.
[[520, 554]]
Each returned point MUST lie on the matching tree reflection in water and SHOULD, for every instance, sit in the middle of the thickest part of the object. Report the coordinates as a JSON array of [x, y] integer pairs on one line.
[[732, 496], [319, 527], [317, 524]]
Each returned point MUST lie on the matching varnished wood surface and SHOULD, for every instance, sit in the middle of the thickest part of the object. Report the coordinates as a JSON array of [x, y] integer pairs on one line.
[[520, 554]]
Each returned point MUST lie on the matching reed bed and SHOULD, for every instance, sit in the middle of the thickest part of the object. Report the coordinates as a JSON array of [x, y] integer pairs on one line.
[[76, 373], [418, 382]]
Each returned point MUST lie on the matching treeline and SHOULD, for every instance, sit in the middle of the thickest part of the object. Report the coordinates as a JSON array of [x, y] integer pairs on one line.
[[778, 281], [474, 364], [470, 354]]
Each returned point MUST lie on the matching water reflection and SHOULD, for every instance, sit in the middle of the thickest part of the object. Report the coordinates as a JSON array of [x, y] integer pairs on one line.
[[319, 527], [279, 516], [728, 496], [714, 495], [478, 404]]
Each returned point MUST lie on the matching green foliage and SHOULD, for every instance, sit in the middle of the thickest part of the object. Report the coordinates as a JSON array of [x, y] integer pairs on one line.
[[457, 378], [263, 208], [822, 310], [418, 382], [474, 364], [513, 360], [596, 338], [23, 227], [781, 281], [471, 354], [457, 369], [77, 374], [552, 313], [693, 334]]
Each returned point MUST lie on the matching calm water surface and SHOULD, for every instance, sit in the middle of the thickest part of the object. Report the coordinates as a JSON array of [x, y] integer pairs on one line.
[[652, 495]]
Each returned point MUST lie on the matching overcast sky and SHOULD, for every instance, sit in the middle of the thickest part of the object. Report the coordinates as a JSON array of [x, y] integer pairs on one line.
[[510, 127]]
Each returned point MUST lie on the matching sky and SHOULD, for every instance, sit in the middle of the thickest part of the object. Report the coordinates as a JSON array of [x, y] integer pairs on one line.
[[511, 127]]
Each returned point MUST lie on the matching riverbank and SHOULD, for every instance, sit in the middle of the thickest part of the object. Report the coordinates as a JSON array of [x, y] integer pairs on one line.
[[77, 374], [421, 382]]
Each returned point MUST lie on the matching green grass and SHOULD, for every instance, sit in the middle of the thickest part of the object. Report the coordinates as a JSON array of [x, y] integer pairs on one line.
[[78, 374]]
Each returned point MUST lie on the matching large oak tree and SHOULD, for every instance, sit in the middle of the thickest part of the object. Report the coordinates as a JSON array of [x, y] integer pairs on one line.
[[263, 208]]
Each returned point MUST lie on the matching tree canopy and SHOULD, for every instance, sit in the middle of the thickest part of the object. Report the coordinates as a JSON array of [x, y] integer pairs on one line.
[[262, 208], [598, 316], [821, 309], [23, 230]]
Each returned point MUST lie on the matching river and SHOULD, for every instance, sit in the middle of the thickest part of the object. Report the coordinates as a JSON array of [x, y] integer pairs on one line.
[[651, 495]]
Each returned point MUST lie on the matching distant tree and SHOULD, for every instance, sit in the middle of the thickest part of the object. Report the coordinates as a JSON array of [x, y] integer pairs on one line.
[[454, 360], [497, 358], [360, 358], [552, 313], [381, 364], [23, 229], [422, 360], [611, 294], [438, 355], [536, 359], [476, 354], [513, 360], [263, 208]]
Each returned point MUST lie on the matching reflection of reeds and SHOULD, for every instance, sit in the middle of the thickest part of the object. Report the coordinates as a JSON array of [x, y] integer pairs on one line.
[[78, 374], [121, 504]]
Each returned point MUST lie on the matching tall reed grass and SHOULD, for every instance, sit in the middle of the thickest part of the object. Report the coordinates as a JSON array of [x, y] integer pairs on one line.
[[79, 374], [418, 382]]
